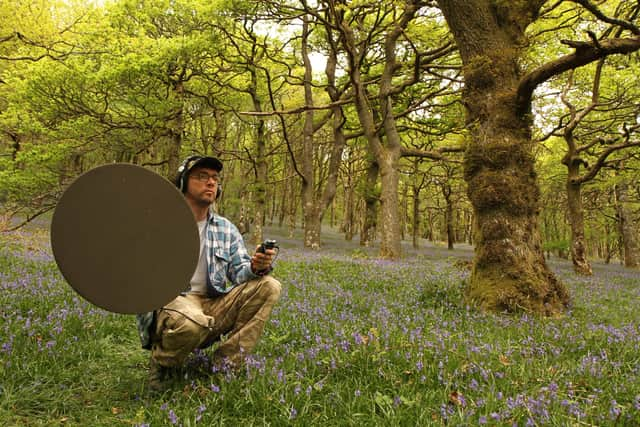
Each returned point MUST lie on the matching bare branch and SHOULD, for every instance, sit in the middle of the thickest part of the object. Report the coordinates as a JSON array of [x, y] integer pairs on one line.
[[601, 16], [585, 53], [296, 110]]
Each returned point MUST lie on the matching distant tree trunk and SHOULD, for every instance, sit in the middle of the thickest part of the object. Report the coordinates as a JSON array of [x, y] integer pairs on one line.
[[428, 232], [283, 204], [315, 205], [404, 211], [175, 131], [628, 228], [292, 211], [15, 146], [260, 164], [469, 227], [220, 133], [348, 226], [509, 271], [416, 215], [274, 205], [576, 220], [384, 143], [448, 215], [310, 209]]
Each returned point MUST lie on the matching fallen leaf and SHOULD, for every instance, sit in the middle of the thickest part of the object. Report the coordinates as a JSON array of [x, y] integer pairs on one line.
[[455, 398]]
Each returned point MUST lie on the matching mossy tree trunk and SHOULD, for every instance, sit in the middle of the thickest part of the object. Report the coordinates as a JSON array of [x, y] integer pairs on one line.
[[509, 271], [371, 199]]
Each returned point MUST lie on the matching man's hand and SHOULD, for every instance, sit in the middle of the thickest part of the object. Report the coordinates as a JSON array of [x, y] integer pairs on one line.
[[261, 261]]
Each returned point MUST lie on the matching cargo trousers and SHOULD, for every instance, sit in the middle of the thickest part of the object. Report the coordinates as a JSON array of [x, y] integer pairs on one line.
[[196, 321]]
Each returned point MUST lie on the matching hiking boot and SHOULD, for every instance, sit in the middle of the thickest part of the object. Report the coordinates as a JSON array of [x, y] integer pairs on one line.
[[157, 375]]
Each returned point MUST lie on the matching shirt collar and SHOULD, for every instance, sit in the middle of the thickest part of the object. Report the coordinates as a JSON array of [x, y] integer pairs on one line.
[[212, 217]]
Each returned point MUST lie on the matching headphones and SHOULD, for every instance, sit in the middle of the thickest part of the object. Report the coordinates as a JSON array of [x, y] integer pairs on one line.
[[183, 173]]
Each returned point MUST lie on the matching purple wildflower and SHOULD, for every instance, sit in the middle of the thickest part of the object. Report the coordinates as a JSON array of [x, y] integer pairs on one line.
[[173, 418]]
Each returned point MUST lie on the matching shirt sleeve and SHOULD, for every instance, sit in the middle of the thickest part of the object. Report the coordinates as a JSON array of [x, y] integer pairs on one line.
[[240, 264]]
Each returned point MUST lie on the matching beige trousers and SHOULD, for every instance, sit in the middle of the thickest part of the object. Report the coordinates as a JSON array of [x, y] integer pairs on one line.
[[196, 321]]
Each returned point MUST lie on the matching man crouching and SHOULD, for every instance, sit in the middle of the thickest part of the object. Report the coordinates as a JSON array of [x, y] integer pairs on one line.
[[230, 292]]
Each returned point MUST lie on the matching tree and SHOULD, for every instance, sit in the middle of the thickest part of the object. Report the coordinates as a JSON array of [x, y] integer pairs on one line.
[[314, 205], [384, 56], [628, 227], [591, 145], [509, 270]]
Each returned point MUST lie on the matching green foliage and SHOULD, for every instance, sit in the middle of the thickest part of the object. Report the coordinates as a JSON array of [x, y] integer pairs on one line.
[[150, 81], [556, 245]]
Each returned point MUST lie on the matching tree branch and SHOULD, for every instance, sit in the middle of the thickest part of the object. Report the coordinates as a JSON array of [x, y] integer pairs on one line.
[[585, 53], [437, 154]]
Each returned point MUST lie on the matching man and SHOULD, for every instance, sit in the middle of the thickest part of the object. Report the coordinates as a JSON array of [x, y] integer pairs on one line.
[[229, 294]]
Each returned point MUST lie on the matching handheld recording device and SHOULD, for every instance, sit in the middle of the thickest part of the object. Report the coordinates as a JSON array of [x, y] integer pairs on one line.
[[268, 244]]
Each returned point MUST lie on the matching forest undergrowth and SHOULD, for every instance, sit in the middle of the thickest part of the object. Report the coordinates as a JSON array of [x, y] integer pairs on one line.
[[353, 341]]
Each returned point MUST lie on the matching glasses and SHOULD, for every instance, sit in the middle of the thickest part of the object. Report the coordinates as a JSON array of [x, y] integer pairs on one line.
[[205, 177]]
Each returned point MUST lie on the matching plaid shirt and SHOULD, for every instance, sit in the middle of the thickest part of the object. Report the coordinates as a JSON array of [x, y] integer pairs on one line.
[[228, 265]]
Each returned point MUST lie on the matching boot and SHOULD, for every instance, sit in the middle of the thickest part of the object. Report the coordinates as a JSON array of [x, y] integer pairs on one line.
[[158, 375]]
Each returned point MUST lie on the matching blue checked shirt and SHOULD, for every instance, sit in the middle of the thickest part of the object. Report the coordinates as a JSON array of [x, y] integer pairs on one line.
[[228, 265], [228, 262]]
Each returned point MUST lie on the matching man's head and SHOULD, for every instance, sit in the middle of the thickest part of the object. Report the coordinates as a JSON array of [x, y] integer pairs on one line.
[[199, 178]]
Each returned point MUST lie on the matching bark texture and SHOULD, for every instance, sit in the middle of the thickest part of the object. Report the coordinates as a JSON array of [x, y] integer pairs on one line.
[[509, 271]]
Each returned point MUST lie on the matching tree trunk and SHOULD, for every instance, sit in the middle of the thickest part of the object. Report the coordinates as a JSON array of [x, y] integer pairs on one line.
[[312, 225], [283, 204], [509, 270], [259, 187], [416, 215], [220, 133], [347, 222], [292, 211], [371, 199], [390, 224], [315, 205], [385, 144], [448, 215], [175, 131], [628, 228], [15, 146], [576, 220], [404, 211]]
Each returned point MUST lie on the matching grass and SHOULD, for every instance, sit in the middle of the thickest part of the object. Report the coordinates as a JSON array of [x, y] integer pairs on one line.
[[353, 341]]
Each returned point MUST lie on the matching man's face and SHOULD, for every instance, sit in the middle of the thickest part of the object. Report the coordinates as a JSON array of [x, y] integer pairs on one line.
[[203, 185]]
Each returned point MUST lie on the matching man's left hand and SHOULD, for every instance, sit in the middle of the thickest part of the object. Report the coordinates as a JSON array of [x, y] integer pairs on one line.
[[262, 261]]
